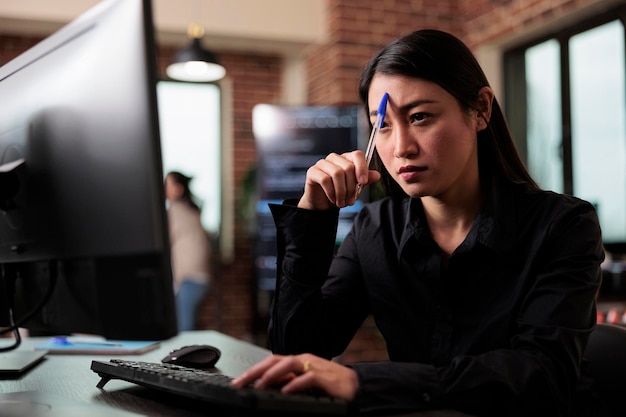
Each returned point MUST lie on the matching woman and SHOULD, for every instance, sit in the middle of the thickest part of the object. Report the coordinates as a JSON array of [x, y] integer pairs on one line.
[[481, 284], [190, 248]]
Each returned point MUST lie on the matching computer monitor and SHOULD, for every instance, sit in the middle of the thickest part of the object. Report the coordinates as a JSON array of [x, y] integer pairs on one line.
[[82, 207]]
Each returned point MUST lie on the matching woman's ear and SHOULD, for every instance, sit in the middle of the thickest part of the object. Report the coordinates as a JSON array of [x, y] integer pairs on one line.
[[483, 106]]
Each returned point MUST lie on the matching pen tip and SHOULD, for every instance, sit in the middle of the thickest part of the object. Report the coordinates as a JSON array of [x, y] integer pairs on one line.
[[383, 104]]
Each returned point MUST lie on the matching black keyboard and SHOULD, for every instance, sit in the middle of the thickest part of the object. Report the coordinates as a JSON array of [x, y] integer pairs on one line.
[[214, 388]]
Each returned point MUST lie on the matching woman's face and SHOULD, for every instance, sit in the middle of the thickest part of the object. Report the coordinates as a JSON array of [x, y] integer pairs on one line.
[[173, 190], [428, 143]]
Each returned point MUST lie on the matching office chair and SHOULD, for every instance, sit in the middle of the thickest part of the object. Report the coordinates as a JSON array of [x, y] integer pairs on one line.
[[606, 353]]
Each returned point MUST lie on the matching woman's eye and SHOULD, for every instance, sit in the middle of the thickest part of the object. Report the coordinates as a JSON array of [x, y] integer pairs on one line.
[[418, 117]]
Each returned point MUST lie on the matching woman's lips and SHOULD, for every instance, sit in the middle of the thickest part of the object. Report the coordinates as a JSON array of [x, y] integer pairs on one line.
[[408, 173]]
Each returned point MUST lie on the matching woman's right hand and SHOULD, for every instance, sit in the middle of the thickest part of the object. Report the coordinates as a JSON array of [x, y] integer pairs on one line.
[[296, 373], [332, 181]]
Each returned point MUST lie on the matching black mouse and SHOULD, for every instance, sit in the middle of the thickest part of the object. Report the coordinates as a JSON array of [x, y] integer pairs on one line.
[[194, 356]]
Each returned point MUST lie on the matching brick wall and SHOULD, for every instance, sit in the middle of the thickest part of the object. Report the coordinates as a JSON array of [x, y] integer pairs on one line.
[[358, 28], [11, 46], [493, 20]]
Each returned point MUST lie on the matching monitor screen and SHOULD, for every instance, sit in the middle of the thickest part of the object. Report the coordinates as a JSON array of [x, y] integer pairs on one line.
[[83, 227]]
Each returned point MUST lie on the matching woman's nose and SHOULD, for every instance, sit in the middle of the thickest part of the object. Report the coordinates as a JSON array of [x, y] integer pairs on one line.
[[404, 142]]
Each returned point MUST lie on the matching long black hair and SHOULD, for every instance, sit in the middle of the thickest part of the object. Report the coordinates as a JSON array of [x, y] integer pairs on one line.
[[442, 58]]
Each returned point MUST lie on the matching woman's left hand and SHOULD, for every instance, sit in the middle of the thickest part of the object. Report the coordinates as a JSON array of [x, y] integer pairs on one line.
[[295, 373]]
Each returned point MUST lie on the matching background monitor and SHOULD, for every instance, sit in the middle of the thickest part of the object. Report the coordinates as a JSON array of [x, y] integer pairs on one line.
[[289, 140], [82, 207]]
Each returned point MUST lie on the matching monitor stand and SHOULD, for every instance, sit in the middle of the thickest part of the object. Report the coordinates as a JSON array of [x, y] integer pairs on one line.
[[15, 363]]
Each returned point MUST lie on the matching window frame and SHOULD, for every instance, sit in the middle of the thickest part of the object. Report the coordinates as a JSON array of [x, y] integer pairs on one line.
[[515, 92]]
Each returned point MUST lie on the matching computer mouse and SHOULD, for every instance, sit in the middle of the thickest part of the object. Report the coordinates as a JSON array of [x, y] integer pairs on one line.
[[194, 356]]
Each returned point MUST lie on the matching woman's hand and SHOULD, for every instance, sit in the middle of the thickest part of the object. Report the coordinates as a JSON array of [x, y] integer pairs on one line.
[[300, 372], [332, 181]]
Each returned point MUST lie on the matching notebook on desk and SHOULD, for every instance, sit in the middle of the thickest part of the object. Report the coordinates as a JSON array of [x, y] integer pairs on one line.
[[95, 346]]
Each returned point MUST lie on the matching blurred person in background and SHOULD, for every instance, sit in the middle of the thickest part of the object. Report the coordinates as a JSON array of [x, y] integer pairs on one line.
[[190, 249]]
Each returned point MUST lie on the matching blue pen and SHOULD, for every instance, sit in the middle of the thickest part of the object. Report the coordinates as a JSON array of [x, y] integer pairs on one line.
[[378, 124]]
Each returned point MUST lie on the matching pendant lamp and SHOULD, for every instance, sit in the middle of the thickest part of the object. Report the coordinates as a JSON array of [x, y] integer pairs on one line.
[[194, 63]]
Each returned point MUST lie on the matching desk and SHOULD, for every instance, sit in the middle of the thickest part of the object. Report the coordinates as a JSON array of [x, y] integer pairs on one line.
[[69, 377], [68, 385]]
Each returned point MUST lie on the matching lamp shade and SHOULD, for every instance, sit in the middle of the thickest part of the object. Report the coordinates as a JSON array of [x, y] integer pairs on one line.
[[194, 63]]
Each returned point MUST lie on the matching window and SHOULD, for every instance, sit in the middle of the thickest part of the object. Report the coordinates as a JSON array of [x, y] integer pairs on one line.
[[569, 114], [189, 119]]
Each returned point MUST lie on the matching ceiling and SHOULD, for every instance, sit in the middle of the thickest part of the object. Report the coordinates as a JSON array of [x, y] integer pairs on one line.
[[278, 26]]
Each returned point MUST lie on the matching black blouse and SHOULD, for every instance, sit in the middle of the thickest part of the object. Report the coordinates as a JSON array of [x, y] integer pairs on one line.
[[500, 330]]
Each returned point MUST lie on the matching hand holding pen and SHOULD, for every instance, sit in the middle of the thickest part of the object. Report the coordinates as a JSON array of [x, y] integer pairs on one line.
[[371, 144], [330, 182]]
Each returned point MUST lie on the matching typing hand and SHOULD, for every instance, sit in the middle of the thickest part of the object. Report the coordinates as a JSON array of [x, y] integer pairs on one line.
[[296, 373]]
